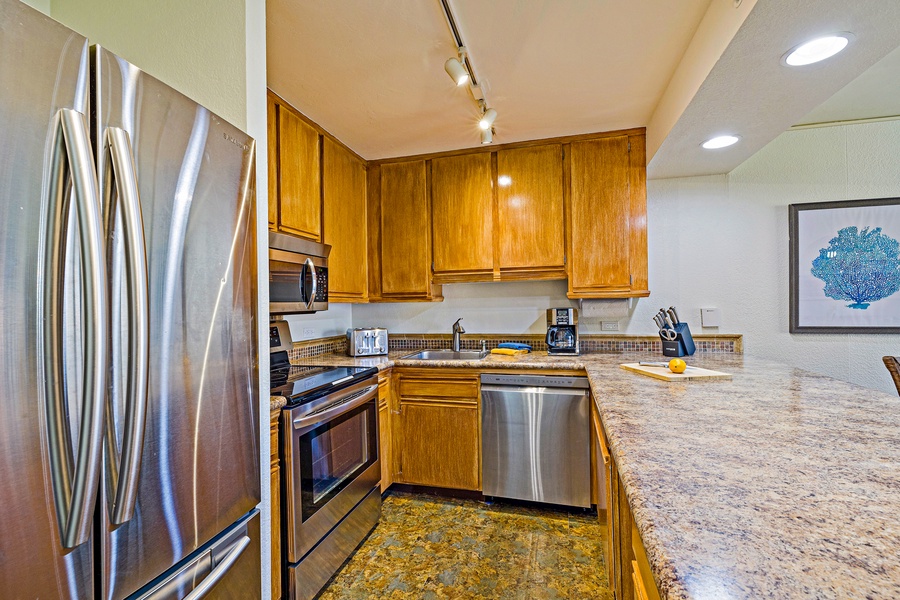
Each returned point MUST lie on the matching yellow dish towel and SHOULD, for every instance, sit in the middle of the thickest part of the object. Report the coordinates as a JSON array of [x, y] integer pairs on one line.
[[508, 351]]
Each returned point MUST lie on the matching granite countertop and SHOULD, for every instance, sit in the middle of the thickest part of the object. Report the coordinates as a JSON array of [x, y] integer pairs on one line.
[[276, 403], [777, 484]]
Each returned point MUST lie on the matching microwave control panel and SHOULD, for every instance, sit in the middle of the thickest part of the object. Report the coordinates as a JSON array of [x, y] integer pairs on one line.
[[321, 284]]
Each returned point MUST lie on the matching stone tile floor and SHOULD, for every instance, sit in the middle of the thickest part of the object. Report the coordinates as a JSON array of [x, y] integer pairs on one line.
[[428, 547]]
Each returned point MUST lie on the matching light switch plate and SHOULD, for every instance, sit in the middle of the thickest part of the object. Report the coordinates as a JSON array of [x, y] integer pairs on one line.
[[710, 317], [609, 325], [308, 331]]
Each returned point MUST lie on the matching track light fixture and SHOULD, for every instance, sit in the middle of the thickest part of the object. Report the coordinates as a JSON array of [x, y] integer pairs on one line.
[[456, 68], [487, 119], [462, 71]]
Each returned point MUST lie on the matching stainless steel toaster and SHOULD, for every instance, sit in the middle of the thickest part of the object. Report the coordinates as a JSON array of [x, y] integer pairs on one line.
[[367, 341]]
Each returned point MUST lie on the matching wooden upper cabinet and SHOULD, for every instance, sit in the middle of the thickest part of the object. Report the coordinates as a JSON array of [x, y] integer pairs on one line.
[[462, 214], [405, 232], [299, 176], [344, 216], [529, 227], [607, 218], [272, 157]]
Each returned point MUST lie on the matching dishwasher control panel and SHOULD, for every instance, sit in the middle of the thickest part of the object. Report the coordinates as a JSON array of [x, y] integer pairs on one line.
[[555, 381]]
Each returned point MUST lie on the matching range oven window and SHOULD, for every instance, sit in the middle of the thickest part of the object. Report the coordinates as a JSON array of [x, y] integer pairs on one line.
[[334, 454]]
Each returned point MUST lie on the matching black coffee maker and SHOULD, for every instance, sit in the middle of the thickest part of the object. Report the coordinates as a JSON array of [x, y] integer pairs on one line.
[[562, 331]]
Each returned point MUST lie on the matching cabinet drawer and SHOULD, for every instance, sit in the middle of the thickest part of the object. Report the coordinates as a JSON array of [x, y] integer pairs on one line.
[[439, 388]]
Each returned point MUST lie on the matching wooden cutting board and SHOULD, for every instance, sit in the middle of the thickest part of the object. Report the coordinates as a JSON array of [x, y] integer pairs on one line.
[[666, 375]]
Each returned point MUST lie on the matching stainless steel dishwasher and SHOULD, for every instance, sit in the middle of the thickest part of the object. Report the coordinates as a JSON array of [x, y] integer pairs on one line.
[[536, 438]]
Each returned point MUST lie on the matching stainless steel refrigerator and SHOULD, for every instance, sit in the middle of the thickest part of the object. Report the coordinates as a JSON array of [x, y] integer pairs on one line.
[[128, 380]]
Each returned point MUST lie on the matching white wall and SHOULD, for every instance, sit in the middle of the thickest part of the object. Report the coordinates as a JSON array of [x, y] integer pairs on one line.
[[197, 47], [334, 321], [41, 5], [256, 124], [719, 241]]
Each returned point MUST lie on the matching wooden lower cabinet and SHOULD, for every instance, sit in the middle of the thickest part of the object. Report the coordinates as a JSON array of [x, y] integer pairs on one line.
[[438, 435], [275, 483], [644, 586], [627, 567], [385, 416]]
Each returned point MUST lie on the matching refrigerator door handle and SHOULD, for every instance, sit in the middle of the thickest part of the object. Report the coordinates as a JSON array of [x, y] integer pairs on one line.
[[220, 569], [122, 198], [74, 471]]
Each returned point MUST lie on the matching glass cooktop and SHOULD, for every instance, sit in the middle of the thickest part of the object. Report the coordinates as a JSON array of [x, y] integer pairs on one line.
[[301, 383]]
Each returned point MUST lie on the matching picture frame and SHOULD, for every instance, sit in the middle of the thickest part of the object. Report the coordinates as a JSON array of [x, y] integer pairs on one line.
[[845, 266]]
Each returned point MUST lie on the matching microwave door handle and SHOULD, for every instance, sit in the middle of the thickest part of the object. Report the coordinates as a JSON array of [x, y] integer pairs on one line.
[[120, 186], [74, 471], [315, 283], [343, 404]]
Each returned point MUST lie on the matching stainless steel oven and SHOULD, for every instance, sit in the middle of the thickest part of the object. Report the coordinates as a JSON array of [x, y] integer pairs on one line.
[[331, 498], [298, 275]]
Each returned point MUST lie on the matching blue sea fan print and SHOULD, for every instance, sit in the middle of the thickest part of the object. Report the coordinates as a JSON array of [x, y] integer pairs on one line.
[[860, 266]]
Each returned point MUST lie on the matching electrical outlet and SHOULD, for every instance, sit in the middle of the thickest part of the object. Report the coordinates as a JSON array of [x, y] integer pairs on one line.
[[710, 317], [609, 325], [308, 332]]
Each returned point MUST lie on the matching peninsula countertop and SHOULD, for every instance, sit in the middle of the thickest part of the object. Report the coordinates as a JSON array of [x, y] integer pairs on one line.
[[779, 483]]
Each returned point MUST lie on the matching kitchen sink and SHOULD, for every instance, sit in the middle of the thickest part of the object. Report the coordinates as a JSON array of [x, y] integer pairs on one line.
[[447, 355]]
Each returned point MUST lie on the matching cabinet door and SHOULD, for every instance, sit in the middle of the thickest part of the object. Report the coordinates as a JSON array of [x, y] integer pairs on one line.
[[385, 451], [405, 232], [272, 157], [344, 215], [440, 444], [607, 225], [530, 227], [462, 213], [299, 177]]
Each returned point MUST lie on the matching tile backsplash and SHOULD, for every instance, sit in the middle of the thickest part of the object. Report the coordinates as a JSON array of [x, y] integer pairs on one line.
[[726, 344]]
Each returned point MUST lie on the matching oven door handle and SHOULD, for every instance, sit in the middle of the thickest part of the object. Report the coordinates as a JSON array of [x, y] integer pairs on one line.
[[343, 404]]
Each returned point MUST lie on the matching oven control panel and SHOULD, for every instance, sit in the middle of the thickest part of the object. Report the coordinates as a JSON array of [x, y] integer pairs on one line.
[[280, 336]]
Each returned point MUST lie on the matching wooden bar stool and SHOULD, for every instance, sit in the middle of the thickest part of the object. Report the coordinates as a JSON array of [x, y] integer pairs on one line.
[[893, 365]]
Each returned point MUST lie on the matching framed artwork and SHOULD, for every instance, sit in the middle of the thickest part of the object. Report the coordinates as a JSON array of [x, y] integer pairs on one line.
[[845, 266]]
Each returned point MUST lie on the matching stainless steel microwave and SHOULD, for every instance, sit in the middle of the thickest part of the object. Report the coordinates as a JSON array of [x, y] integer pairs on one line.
[[298, 275]]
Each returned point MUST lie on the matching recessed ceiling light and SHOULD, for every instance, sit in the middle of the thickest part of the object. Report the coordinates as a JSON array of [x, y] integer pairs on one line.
[[818, 49], [722, 141]]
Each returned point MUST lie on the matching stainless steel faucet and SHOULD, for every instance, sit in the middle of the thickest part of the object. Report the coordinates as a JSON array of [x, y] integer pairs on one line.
[[457, 331]]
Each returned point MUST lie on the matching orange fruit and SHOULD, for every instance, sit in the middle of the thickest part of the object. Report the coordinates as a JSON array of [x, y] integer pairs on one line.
[[676, 365]]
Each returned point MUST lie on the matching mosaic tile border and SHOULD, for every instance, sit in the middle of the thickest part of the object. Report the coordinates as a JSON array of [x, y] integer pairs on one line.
[[713, 343], [708, 343], [309, 348]]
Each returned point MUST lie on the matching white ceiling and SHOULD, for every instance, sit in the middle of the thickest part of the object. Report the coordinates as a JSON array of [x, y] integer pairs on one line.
[[749, 92], [873, 95], [371, 71]]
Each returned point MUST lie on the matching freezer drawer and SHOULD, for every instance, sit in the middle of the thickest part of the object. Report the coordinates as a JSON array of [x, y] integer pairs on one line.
[[535, 438], [228, 568]]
